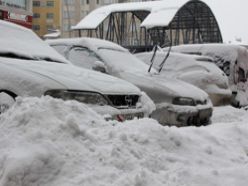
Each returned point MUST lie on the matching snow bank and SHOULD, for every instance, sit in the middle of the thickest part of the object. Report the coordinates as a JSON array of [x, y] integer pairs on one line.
[[49, 142]]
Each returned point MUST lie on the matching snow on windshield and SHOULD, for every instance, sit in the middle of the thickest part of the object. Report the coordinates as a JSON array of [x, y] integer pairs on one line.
[[83, 57], [23, 42], [122, 61]]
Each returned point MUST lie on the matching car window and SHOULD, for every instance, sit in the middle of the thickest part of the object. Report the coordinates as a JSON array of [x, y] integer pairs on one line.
[[241, 77], [60, 49], [223, 64], [122, 61], [83, 57]]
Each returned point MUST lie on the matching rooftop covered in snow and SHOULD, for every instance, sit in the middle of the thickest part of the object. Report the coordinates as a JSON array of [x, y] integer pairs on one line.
[[156, 9], [154, 22]]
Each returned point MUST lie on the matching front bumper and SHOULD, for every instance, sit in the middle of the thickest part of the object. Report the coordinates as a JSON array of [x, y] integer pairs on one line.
[[111, 113], [183, 116]]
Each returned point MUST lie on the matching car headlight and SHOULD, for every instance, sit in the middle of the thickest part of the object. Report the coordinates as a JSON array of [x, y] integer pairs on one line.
[[183, 101], [84, 97]]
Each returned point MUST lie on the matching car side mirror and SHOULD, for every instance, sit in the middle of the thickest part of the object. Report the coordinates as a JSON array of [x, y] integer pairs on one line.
[[99, 66]]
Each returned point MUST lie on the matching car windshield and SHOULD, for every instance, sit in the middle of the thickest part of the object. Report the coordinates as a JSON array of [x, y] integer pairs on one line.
[[83, 57], [122, 60]]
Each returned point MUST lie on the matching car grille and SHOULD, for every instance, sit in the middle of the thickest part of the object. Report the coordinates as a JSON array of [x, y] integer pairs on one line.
[[123, 101], [200, 102], [203, 118]]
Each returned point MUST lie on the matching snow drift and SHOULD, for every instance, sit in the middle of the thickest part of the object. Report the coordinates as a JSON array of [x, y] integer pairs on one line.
[[49, 142]]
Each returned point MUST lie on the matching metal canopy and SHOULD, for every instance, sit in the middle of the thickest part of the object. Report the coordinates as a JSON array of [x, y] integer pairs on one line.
[[194, 22]]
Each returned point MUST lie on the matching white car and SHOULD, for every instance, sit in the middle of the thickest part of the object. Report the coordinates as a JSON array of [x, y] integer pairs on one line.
[[177, 103], [30, 67], [232, 59], [196, 70]]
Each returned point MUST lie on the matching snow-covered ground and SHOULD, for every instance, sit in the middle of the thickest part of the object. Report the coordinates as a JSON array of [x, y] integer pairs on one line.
[[48, 142]]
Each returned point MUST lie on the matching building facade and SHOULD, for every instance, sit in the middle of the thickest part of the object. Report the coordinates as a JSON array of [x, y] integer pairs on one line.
[[61, 15], [46, 16], [17, 11]]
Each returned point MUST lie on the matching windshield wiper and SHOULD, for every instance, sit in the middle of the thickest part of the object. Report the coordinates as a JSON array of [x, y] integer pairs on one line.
[[153, 56], [15, 56], [164, 60]]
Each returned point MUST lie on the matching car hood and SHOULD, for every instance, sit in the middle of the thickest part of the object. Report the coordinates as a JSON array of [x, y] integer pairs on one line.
[[169, 86], [72, 77]]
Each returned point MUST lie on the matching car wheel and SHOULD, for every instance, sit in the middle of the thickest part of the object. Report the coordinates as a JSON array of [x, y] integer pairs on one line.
[[6, 101]]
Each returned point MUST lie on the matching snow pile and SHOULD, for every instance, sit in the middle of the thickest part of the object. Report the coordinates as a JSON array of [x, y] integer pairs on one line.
[[229, 115], [49, 142], [147, 104]]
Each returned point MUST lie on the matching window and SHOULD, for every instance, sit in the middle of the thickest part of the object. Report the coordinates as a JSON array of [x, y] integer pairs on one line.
[[69, 2], [49, 27], [68, 14], [66, 27], [87, 1], [50, 15], [84, 13], [36, 27], [241, 77], [50, 3], [60, 49], [107, 2], [97, 2], [83, 57], [36, 3], [36, 15]]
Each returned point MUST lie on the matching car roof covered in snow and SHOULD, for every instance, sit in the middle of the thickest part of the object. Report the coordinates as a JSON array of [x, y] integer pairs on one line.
[[85, 41], [21, 41], [178, 61], [157, 9], [226, 51]]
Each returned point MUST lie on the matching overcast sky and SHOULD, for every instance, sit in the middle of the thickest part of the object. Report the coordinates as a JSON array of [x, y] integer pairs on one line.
[[232, 17]]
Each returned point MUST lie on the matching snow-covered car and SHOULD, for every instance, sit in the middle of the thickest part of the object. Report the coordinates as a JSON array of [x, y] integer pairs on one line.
[[30, 67], [232, 59], [177, 102], [196, 70]]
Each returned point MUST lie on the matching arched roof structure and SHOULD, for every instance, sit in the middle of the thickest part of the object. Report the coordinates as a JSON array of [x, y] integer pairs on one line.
[[156, 9], [155, 22]]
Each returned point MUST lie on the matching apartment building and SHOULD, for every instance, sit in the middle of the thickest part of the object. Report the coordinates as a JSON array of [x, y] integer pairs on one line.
[[17, 11], [46, 16], [55, 15], [89, 5], [61, 15]]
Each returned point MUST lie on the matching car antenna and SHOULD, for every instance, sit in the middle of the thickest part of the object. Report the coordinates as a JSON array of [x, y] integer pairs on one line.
[[164, 60], [153, 56]]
